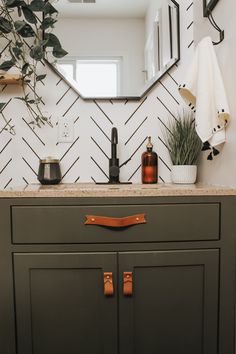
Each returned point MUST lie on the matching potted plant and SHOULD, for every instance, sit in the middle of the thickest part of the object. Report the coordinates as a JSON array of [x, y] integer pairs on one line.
[[184, 146]]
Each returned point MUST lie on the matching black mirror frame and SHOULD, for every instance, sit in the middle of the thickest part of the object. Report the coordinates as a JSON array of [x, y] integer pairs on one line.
[[121, 98], [208, 7]]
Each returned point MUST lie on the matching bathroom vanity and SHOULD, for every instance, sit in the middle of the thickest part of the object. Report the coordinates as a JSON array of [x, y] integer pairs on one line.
[[117, 270]]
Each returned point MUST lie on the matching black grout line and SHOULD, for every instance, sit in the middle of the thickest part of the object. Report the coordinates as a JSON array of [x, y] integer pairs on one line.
[[99, 167], [166, 108], [190, 25], [103, 111], [5, 47], [58, 82], [163, 142], [100, 128], [76, 120], [164, 163], [6, 185], [77, 179], [7, 123], [134, 172], [136, 130], [169, 92], [138, 147], [162, 179], [189, 6], [31, 148], [164, 124], [71, 166], [4, 147], [77, 98], [99, 147], [136, 110], [6, 165], [63, 96], [93, 179], [69, 148], [29, 166], [190, 44], [6, 104], [25, 180], [33, 131], [4, 87]]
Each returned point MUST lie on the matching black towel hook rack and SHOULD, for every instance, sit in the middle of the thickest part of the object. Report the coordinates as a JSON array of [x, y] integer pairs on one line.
[[214, 24]]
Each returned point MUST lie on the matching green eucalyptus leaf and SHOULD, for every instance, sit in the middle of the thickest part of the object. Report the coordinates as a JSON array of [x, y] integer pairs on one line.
[[19, 11], [17, 52], [49, 9], [24, 29], [37, 5], [48, 22], [53, 41], [14, 3], [37, 52], [2, 105], [19, 25], [25, 68], [19, 44], [8, 64], [59, 52], [5, 25], [29, 15], [40, 77]]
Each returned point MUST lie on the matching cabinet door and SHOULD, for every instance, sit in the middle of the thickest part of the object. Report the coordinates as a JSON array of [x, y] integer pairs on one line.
[[174, 305], [60, 304]]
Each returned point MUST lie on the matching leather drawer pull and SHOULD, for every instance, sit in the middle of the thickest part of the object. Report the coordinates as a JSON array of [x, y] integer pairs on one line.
[[128, 283], [115, 222], [108, 284]]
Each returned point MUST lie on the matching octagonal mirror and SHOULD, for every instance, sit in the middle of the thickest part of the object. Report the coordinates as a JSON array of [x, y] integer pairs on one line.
[[117, 49]]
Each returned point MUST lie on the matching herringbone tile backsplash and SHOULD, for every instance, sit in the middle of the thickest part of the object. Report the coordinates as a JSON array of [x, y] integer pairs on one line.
[[86, 159]]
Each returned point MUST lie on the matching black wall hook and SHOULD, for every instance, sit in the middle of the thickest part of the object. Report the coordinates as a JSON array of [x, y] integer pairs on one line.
[[214, 24]]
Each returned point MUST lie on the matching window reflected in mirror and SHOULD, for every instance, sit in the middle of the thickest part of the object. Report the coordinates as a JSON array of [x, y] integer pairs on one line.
[[117, 49]]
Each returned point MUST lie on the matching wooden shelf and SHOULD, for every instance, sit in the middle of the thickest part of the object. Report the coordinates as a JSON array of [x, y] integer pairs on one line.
[[10, 79]]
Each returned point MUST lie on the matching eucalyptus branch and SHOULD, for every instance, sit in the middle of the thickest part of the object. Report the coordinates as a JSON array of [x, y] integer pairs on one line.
[[27, 47]]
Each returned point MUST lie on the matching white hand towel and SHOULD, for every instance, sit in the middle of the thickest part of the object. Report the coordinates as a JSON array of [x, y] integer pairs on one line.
[[204, 92]]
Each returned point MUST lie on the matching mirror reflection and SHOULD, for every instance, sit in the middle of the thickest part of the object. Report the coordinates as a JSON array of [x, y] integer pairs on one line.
[[117, 48]]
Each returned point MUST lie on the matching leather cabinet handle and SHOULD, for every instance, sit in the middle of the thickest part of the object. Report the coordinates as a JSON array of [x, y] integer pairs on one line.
[[115, 222], [128, 283], [108, 284]]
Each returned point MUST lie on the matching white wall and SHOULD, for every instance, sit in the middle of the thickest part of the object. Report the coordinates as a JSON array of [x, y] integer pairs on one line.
[[222, 170], [108, 37]]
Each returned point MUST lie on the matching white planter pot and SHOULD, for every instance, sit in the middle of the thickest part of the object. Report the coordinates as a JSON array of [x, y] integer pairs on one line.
[[184, 174]]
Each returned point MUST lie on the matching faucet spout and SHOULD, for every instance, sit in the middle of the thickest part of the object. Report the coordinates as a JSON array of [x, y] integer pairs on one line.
[[114, 142], [114, 169]]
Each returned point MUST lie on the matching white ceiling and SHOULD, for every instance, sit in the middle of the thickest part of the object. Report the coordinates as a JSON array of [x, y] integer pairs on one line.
[[103, 8]]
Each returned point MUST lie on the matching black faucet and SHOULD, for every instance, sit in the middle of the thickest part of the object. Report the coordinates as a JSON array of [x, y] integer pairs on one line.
[[114, 168]]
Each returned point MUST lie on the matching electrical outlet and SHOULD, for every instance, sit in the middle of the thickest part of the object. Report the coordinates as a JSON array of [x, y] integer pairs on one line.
[[65, 130]]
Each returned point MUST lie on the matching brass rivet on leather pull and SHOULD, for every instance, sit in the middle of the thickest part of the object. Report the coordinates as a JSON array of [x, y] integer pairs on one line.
[[108, 284], [128, 283]]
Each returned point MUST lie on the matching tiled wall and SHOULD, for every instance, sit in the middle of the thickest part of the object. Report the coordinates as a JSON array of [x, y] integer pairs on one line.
[[86, 159]]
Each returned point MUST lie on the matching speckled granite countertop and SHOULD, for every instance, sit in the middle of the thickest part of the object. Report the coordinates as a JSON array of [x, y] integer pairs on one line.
[[134, 190]]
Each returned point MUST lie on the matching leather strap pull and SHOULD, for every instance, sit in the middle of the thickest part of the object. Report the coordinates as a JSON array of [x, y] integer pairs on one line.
[[115, 222], [128, 283], [108, 284]]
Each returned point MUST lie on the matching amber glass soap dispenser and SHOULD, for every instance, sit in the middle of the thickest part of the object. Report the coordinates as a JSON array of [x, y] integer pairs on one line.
[[149, 164]]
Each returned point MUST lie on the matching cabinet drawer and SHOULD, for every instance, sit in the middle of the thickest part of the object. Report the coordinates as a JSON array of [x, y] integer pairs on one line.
[[164, 222]]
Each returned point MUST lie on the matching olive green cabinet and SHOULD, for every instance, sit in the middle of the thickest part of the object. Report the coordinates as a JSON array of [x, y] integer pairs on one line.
[[61, 306], [173, 277]]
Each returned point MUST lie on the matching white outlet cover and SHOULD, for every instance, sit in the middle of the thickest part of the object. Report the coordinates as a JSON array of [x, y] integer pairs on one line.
[[65, 130]]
